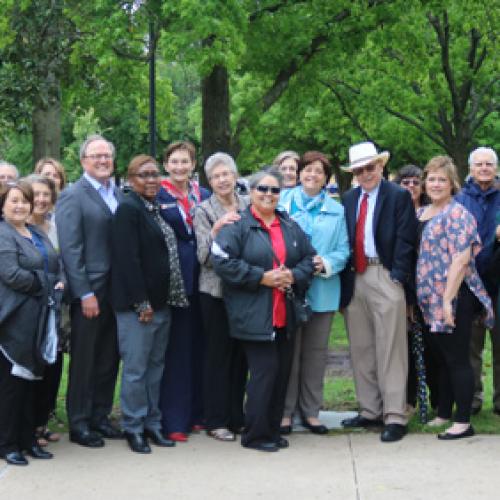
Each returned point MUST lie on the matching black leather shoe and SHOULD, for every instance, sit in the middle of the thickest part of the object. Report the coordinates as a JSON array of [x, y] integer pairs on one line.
[[86, 438], [15, 458], [447, 436], [285, 430], [262, 446], [315, 429], [359, 421], [282, 443], [105, 429], [158, 439], [393, 432], [137, 442], [37, 451]]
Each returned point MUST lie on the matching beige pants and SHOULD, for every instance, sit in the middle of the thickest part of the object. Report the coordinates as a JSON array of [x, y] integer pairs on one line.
[[376, 325], [305, 385]]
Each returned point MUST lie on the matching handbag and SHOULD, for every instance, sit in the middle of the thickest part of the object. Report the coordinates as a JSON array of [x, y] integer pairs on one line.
[[300, 306]]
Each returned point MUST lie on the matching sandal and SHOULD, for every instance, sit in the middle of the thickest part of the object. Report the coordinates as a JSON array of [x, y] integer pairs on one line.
[[44, 436], [222, 434]]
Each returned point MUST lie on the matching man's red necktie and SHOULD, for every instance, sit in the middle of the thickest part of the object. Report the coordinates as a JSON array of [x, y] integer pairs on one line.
[[360, 260]]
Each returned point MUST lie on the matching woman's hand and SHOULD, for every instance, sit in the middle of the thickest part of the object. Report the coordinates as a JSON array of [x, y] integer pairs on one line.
[[448, 313], [228, 218], [319, 265], [146, 315], [280, 277], [59, 286]]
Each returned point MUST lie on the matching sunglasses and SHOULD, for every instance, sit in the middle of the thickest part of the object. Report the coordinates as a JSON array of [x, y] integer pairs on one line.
[[411, 182], [262, 188], [369, 168]]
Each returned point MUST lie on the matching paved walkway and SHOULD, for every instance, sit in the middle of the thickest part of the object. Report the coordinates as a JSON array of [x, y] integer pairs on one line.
[[354, 466]]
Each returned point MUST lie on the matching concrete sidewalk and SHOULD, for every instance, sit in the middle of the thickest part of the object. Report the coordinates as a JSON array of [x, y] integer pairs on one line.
[[353, 466]]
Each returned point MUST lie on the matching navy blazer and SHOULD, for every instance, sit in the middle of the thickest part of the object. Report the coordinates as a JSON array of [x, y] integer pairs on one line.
[[394, 230], [186, 240]]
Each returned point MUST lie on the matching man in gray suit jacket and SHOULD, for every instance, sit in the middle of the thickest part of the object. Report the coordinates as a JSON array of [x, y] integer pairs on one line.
[[83, 218]]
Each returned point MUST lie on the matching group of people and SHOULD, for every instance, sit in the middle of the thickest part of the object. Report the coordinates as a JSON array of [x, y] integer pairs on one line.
[[219, 304]]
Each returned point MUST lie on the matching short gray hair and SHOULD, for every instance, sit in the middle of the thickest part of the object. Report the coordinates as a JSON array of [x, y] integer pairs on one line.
[[7, 164], [220, 159], [272, 171], [92, 138], [484, 150]]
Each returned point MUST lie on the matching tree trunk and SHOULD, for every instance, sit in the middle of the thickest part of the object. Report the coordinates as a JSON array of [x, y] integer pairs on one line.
[[216, 125], [46, 131]]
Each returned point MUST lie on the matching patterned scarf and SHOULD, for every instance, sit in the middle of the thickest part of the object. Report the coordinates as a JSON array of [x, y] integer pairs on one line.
[[187, 203], [177, 293]]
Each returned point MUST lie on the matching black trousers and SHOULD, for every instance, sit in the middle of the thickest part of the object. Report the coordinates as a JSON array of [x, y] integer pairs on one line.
[[17, 416], [225, 368], [46, 391], [93, 366], [269, 364], [456, 377]]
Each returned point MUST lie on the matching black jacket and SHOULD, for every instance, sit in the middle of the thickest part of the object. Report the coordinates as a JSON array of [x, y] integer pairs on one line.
[[394, 230], [241, 257], [140, 258]]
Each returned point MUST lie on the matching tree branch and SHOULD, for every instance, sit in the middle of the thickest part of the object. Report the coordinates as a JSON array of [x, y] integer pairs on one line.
[[416, 124]]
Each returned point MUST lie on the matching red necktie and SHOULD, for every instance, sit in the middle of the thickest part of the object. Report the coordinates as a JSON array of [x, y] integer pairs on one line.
[[360, 261]]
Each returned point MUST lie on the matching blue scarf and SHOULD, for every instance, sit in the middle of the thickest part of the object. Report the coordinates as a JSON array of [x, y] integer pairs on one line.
[[304, 209]]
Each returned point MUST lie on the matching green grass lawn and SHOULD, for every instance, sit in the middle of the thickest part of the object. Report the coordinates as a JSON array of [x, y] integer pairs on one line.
[[339, 391]]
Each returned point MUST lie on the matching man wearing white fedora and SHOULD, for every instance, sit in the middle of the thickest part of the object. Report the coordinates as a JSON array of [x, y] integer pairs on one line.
[[381, 224]]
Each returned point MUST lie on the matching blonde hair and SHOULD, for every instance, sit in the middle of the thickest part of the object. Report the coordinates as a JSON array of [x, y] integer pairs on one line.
[[444, 163], [56, 164]]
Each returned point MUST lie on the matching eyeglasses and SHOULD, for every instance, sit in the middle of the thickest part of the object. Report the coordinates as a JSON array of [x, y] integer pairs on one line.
[[146, 175], [411, 182], [96, 157], [368, 168], [262, 188]]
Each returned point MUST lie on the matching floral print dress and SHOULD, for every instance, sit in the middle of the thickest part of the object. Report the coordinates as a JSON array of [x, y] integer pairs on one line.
[[447, 234]]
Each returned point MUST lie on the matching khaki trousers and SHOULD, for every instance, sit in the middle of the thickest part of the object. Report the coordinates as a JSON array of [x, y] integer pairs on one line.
[[376, 326], [305, 385]]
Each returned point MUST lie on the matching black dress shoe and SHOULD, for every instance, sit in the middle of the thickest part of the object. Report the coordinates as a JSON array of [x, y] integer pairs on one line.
[[36, 451], [393, 432], [315, 429], [137, 442], [263, 446], [359, 421], [86, 438], [157, 438], [105, 429], [282, 443], [15, 458], [448, 436], [285, 430]]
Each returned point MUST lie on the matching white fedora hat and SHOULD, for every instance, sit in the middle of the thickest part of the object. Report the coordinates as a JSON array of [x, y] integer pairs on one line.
[[363, 153]]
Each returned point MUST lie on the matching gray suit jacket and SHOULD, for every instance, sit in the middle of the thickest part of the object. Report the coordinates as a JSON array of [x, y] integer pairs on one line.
[[83, 223]]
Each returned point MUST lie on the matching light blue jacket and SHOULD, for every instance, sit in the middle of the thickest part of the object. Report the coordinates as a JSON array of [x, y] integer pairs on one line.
[[329, 238]]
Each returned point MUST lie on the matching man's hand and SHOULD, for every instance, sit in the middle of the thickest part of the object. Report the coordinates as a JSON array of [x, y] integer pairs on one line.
[[90, 307]]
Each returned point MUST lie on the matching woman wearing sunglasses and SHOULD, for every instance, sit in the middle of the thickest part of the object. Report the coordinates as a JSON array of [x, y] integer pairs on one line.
[[258, 258], [410, 177], [322, 219]]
